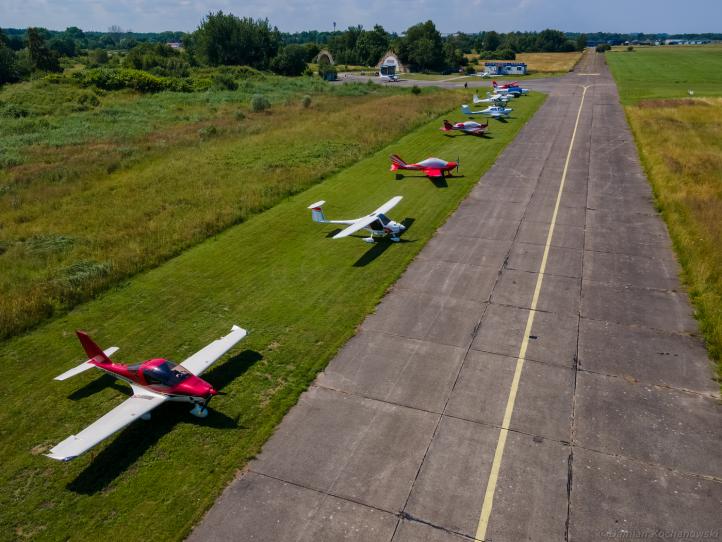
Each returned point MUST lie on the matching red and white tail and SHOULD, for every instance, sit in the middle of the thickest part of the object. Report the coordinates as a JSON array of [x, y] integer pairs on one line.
[[447, 126], [397, 162], [494, 84], [94, 352], [317, 211], [95, 356]]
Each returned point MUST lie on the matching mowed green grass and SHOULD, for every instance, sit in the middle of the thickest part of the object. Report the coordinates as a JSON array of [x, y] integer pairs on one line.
[[680, 143], [300, 294], [667, 72]]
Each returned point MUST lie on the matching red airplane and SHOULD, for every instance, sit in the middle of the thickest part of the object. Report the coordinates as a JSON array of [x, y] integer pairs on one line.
[[154, 382], [432, 167], [505, 85], [469, 127]]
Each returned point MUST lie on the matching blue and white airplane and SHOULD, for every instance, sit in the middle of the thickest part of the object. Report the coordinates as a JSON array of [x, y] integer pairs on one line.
[[496, 111]]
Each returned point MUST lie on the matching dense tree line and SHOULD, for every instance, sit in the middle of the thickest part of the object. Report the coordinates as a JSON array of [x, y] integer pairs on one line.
[[226, 40]]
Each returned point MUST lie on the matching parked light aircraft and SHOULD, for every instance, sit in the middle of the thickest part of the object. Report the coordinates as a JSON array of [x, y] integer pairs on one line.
[[432, 167], [512, 89], [468, 127], [495, 111], [492, 98], [481, 74], [377, 222], [153, 382]]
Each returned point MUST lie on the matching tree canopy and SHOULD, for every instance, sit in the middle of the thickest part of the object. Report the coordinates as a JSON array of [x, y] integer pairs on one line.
[[224, 39]]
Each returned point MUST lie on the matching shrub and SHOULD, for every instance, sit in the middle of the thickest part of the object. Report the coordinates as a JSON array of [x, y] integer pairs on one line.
[[240, 115], [602, 47], [88, 99], [259, 103], [630, 48], [470, 70], [207, 132], [415, 90], [120, 78], [224, 81], [306, 101]]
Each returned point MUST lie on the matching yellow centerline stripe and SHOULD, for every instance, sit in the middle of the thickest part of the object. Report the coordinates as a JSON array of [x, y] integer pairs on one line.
[[501, 443]]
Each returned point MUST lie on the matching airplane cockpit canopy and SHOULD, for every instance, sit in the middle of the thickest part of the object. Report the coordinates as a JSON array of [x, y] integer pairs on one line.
[[165, 374], [383, 218]]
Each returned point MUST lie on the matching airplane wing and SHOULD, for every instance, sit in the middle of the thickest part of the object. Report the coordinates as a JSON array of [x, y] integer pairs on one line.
[[360, 224], [386, 207], [207, 356], [124, 414]]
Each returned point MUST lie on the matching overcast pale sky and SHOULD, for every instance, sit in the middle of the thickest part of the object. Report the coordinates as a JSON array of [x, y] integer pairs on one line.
[[670, 16]]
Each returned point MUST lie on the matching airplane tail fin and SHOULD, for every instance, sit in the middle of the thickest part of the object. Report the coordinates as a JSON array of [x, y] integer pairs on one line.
[[397, 162], [494, 84], [447, 126], [94, 352], [465, 109], [476, 99], [317, 211]]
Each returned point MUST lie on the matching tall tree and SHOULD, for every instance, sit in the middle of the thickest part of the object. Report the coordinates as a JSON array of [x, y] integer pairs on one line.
[[224, 39], [421, 47], [41, 57], [491, 41], [371, 45]]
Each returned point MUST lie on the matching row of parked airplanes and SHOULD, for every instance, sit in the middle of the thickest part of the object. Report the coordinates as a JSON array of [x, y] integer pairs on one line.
[[158, 380]]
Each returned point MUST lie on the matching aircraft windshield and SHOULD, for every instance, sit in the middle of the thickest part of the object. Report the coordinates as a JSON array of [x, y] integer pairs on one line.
[[383, 219], [165, 374]]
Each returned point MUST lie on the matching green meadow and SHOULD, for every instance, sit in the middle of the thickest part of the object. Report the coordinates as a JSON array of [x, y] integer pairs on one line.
[[667, 71], [680, 144], [299, 293], [98, 186]]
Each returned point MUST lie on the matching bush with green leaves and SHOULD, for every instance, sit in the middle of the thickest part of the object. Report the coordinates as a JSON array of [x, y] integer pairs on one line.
[[602, 47], [290, 61], [259, 103], [306, 101], [415, 90], [120, 78], [224, 81]]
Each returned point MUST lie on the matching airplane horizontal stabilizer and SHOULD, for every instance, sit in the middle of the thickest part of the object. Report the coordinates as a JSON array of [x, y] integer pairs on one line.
[[85, 365]]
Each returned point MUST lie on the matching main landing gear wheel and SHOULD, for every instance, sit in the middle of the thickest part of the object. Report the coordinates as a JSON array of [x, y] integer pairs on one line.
[[200, 411]]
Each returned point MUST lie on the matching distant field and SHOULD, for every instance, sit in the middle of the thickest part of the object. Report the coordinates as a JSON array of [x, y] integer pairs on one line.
[[300, 293], [680, 143], [667, 71], [538, 63], [94, 195]]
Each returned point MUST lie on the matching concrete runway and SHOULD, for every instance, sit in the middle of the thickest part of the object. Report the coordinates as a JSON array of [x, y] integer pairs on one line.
[[534, 375]]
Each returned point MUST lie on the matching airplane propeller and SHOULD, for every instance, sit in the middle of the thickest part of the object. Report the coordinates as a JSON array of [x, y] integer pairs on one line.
[[458, 162]]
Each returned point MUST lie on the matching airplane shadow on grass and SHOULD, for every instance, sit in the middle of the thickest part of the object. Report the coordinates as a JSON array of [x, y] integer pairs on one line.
[[482, 136], [382, 245], [438, 182], [133, 441]]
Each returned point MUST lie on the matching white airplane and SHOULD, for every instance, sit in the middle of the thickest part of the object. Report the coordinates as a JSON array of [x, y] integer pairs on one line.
[[492, 98], [495, 111], [377, 222], [153, 382], [480, 74]]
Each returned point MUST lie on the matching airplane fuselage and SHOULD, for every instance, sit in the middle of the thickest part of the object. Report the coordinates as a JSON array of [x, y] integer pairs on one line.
[[162, 376]]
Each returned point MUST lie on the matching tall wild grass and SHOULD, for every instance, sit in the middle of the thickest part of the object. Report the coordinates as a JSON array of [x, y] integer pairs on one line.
[[680, 142], [95, 190]]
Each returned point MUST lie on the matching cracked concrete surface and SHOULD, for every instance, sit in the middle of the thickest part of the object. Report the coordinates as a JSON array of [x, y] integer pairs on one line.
[[616, 423]]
